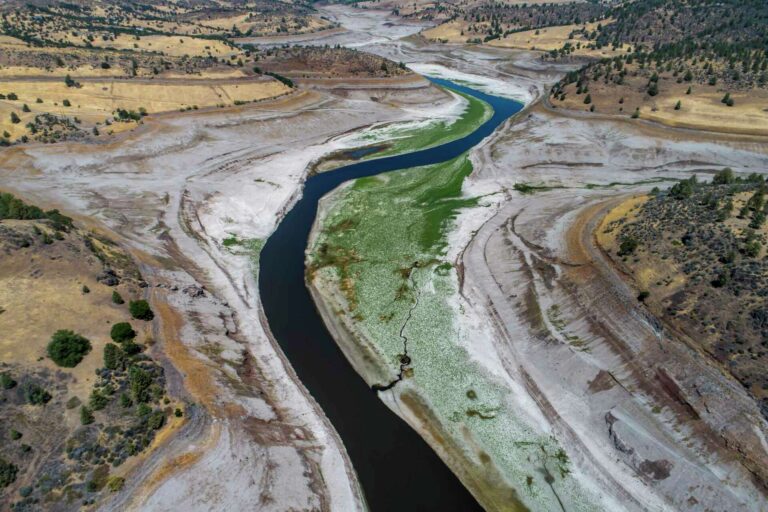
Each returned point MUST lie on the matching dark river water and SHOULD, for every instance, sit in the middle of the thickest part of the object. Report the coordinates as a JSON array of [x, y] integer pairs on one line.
[[398, 471]]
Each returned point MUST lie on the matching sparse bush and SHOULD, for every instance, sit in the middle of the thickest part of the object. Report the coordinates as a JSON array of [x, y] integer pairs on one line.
[[86, 416], [15, 434], [139, 382], [15, 119], [8, 473], [115, 483], [683, 189], [627, 246], [131, 349], [752, 249], [125, 401], [6, 381], [724, 177], [122, 332], [113, 357], [117, 298], [36, 395], [97, 401], [758, 219], [140, 310], [720, 280], [67, 349], [156, 420], [643, 295]]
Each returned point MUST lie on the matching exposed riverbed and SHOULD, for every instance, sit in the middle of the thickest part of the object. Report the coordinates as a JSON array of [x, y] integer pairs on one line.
[[396, 468]]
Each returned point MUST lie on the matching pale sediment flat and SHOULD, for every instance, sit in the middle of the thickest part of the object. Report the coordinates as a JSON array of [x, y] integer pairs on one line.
[[565, 332], [173, 191], [542, 325]]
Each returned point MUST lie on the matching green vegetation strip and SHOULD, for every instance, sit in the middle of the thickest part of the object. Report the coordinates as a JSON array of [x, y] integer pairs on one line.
[[404, 139], [383, 245]]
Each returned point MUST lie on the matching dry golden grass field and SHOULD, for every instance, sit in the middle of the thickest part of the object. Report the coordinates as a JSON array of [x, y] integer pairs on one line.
[[701, 109], [96, 100]]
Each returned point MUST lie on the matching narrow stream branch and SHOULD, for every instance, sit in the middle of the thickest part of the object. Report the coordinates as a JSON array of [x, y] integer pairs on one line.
[[405, 359]]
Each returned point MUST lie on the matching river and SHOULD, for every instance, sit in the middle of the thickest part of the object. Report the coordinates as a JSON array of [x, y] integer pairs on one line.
[[397, 469]]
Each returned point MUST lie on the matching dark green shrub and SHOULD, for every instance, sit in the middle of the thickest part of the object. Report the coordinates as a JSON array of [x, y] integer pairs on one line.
[[752, 249], [627, 246], [178, 413], [122, 332], [287, 81], [67, 349], [15, 434], [758, 219], [683, 189], [131, 349], [8, 473], [139, 382], [140, 310], [117, 298], [6, 381], [156, 420], [724, 177], [125, 400], [97, 401], [720, 280], [114, 358], [86, 416], [36, 395]]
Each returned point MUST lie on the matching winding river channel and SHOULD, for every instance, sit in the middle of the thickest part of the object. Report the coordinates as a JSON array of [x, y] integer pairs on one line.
[[395, 466]]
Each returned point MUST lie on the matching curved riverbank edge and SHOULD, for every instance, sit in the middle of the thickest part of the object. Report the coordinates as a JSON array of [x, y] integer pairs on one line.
[[478, 475], [368, 428], [357, 348]]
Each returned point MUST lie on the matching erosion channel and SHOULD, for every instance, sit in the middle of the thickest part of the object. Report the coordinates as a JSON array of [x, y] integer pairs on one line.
[[396, 468]]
